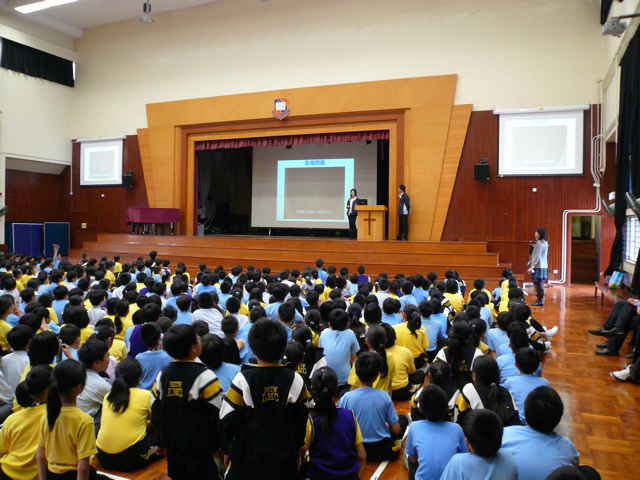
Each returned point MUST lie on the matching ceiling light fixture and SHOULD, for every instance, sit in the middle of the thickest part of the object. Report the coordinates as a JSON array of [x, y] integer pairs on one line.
[[35, 7], [616, 26], [146, 15]]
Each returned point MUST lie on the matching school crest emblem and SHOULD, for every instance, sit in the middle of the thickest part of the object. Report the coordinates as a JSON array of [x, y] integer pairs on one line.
[[281, 108]]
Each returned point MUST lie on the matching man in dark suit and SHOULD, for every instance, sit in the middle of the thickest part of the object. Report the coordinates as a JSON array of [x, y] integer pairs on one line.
[[404, 210]]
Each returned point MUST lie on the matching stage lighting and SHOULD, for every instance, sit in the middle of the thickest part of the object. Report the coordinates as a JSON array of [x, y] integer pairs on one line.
[[616, 26], [146, 13]]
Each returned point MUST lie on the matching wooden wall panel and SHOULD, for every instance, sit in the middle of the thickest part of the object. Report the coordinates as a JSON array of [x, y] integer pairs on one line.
[[426, 103], [103, 208], [36, 197], [505, 211], [460, 116]]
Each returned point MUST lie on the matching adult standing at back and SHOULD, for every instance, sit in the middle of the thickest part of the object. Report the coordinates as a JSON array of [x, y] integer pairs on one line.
[[404, 210], [538, 264], [352, 214]]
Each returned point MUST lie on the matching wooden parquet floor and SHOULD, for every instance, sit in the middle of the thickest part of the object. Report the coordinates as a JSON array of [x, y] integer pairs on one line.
[[602, 416]]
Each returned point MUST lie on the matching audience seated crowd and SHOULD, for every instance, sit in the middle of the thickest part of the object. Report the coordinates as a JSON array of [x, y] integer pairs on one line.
[[259, 375]]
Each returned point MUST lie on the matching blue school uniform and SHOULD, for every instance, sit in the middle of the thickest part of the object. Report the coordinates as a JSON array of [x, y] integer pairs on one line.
[[272, 311], [226, 373], [58, 307], [442, 318], [407, 300], [507, 364], [521, 386], [152, 362], [486, 315], [184, 318], [434, 332], [391, 318], [339, 346], [469, 466], [420, 295], [223, 297], [373, 409], [243, 334], [434, 444], [528, 446], [13, 319], [495, 338]]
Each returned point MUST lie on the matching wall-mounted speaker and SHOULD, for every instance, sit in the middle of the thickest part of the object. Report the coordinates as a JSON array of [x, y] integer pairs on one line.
[[127, 181], [481, 173]]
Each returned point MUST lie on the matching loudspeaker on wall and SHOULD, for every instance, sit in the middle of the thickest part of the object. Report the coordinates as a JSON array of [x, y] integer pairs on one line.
[[481, 173]]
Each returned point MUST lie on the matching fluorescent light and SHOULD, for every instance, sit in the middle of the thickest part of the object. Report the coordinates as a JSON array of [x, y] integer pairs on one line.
[[34, 7]]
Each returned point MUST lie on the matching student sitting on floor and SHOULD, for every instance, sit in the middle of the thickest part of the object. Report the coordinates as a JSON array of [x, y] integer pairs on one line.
[[518, 339], [94, 354], [209, 312], [154, 359], [13, 365], [19, 433], [70, 341], [67, 437], [406, 378], [498, 336], [262, 439], [390, 309], [186, 410], [376, 341], [374, 411], [313, 359], [333, 435], [486, 460], [432, 442], [212, 355], [486, 393], [439, 375], [454, 295], [183, 304], [340, 346], [123, 441], [434, 329], [460, 354], [537, 440], [412, 335], [527, 361]]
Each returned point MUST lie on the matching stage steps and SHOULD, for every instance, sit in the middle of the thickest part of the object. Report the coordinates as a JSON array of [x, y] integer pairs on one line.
[[470, 259]]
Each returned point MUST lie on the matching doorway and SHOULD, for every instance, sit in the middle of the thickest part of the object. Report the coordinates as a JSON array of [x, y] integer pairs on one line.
[[585, 249]]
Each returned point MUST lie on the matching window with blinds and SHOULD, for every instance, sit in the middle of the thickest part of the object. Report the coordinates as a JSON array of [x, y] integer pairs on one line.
[[631, 239]]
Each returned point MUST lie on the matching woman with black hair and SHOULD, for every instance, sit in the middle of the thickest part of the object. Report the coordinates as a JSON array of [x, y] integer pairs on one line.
[[352, 214], [538, 264]]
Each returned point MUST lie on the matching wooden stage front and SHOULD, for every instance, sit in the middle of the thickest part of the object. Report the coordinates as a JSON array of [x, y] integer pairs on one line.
[[470, 259]]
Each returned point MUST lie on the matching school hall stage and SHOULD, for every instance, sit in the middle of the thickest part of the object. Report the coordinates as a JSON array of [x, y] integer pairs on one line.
[[470, 259], [601, 415]]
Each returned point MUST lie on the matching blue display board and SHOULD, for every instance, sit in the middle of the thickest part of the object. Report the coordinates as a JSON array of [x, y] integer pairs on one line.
[[58, 233], [28, 238]]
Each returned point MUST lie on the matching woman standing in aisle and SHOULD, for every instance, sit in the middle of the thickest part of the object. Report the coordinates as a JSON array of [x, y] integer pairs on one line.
[[538, 264]]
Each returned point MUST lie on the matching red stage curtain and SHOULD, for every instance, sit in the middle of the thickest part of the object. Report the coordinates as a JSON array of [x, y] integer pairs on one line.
[[293, 140]]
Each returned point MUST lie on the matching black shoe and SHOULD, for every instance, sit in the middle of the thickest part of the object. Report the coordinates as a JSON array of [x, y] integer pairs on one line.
[[539, 303], [601, 345], [405, 239], [398, 238], [607, 353], [597, 332], [614, 333]]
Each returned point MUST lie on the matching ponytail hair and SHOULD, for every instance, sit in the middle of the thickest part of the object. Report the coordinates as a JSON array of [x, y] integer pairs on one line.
[[377, 339], [304, 336], [128, 375], [66, 376], [440, 374], [487, 372], [324, 386], [355, 325], [37, 381], [293, 355], [414, 321], [461, 331], [122, 310]]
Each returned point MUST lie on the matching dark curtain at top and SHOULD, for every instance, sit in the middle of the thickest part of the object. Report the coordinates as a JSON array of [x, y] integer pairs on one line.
[[628, 155], [36, 63], [293, 140], [605, 6]]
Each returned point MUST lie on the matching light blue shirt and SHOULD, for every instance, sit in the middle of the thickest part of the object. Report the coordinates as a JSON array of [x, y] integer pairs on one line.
[[226, 373], [184, 318], [442, 318], [528, 446], [434, 444], [486, 315], [469, 466], [272, 312], [207, 288], [152, 362], [521, 386], [420, 295], [322, 275], [507, 364], [13, 319], [407, 300], [243, 334], [495, 338], [58, 307], [391, 318], [373, 409], [223, 297], [339, 346], [172, 302], [434, 332]]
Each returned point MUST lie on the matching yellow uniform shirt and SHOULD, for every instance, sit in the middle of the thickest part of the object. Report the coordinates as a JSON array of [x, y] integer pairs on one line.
[[120, 431], [20, 285], [109, 274], [456, 300], [483, 347], [85, 333], [73, 438], [416, 345], [118, 350], [316, 338], [117, 267], [53, 316], [4, 329], [19, 443], [25, 279], [488, 293], [380, 383], [325, 294], [308, 438], [126, 324], [403, 360], [140, 286]]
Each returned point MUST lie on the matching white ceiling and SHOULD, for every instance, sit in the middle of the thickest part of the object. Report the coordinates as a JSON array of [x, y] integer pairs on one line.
[[70, 19]]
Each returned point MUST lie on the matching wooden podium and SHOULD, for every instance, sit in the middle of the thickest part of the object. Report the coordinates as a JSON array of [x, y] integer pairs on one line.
[[371, 220]]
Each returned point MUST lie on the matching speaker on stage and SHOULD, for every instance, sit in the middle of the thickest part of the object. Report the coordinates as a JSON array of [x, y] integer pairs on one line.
[[127, 181], [481, 173]]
